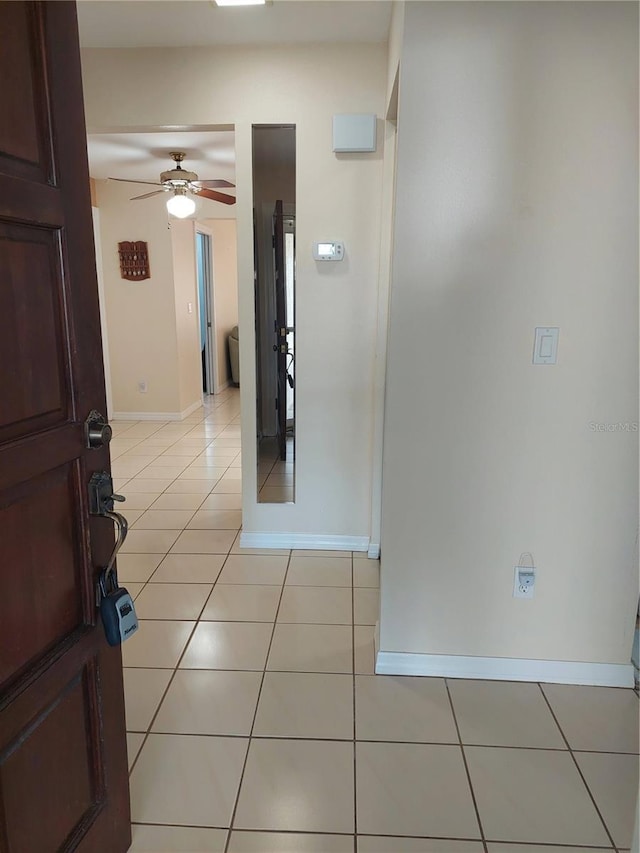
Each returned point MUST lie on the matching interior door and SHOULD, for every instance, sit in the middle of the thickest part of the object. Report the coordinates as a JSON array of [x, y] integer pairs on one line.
[[281, 327], [63, 762], [205, 312]]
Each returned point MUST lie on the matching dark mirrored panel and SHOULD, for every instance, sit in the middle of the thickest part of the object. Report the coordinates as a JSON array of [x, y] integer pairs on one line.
[[274, 218]]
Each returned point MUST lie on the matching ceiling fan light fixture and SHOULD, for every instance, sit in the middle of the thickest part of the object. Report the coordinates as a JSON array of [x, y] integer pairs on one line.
[[180, 205], [240, 2]]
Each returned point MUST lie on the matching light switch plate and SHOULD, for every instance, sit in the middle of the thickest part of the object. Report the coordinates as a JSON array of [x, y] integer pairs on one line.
[[545, 348]]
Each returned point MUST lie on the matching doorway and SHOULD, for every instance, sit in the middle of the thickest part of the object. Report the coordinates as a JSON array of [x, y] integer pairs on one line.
[[164, 364], [207, 326]]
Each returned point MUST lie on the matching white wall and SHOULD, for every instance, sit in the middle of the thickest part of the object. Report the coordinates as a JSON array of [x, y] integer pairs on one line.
[[151, 335], [516, 207], [336, 198], [140, 315]]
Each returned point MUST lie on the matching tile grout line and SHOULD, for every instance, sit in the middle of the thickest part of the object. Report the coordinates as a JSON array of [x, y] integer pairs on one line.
[[259, 621], [312, 834], [345, 739], [577, 766], [146, 734], [554, 845], [164, 694], [355, 734], [148, 580], [140, 441], [466, 767], [255, 713], [175, 669], [201, 452]]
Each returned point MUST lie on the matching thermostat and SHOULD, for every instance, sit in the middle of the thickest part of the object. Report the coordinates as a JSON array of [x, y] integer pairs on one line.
[[328, 251]]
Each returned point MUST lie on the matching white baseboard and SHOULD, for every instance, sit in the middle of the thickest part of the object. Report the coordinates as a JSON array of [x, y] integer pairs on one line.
[[505, 669], [191, 409], [373, 551], [303, 541], [157, 416]]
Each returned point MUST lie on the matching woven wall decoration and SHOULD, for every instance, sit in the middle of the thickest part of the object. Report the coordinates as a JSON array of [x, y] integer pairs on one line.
[[134, 260]]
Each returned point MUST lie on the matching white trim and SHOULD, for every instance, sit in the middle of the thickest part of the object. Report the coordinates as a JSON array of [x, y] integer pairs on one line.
[[157, 416], [505, 669], [303, 541], [373, 551], [191, 409], [387, 225]]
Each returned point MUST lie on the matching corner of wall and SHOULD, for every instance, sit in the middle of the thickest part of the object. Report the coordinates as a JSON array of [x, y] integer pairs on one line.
[[394, 50]]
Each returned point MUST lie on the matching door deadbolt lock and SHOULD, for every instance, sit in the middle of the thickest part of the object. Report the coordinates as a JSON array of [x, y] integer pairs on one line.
[[116, 606], [97, 431]]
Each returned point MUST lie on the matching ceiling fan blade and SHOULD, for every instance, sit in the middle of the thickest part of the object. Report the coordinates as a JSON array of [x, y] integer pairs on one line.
[[219, 184], [128, 181], [146, 195], [215, 196]]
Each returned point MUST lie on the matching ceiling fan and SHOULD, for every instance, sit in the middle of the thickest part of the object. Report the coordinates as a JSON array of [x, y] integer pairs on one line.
[[179, 182]]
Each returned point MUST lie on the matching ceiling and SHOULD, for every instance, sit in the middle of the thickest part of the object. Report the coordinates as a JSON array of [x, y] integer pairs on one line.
[[142, 156], [189, 23], [184, 23]]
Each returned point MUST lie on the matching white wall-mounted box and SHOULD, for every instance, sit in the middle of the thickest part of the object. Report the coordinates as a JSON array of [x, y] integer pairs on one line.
[[354, 132]]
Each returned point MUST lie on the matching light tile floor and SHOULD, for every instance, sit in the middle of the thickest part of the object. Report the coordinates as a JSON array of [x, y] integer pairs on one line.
[[256, 725]]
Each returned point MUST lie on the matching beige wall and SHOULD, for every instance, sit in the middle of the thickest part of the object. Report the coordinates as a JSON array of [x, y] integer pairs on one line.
[[336, 198], [151, 334], [517, 206], [141, 316], [186, 295], [225, 288]]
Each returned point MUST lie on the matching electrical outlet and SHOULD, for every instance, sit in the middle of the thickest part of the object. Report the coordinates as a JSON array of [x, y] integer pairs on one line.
[[524, 581], [142, 386]]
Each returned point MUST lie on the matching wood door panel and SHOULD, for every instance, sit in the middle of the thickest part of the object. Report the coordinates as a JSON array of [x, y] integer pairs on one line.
[[63, 761], [41, 754], [46, 599], [33, 389], [25, 148]]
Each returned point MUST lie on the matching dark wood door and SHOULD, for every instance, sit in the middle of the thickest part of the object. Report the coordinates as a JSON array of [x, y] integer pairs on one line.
[[281, 326], [63, 763]]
